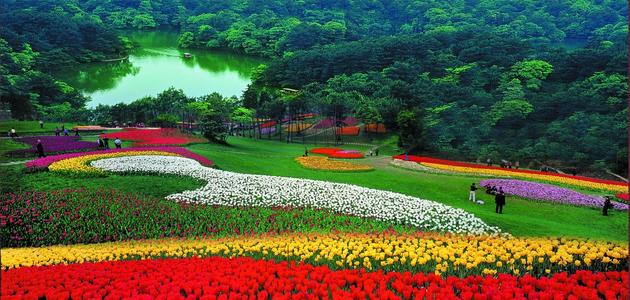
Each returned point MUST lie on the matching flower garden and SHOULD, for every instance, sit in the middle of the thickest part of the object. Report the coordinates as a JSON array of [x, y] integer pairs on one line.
[[53, 144], [155, 137], [244, 236], [326, 164]]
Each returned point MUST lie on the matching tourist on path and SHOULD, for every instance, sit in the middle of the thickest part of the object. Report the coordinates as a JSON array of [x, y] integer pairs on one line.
[[57, 131], [76, 131], [499, 200], [65, 132], [13, 133], [106, 142], [472, 196], [607, 205], [40, 149], [376, 151], [118, 143], [100, 143], [517, 165], [489, 162], [41, 124]]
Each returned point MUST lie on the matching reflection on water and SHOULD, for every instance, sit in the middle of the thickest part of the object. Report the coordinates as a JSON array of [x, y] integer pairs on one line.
[[158, 64]]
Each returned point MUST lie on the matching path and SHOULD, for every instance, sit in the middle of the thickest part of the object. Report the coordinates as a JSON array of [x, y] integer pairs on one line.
[[13, 163]]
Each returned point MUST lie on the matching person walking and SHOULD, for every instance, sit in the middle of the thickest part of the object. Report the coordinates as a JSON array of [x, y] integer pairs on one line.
[[40, 149], [57, 131], [106, 142], [607, 205], [376, 152], [489, 162], [517, 165], [65, 132], [472, 196], [13, 133], [41, 124], [371, 153], [118, 143], [499, 200], [76, 131], [100, 144]]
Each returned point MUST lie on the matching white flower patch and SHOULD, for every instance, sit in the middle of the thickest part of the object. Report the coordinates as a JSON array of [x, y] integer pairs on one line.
[[235, 189]]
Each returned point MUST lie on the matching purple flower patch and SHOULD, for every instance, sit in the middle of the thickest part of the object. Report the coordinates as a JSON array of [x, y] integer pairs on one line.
[[546, 192], [53, 144]]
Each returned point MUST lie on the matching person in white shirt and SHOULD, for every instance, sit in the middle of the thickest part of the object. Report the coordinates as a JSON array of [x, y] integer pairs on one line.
[[118, 143]]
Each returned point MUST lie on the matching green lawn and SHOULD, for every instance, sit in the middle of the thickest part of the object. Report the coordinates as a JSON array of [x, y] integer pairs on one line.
[[31, 127], [521, 217], [7, 145]]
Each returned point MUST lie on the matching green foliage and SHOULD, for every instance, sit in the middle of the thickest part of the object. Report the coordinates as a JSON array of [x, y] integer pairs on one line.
[[214, 112], [166, 120]]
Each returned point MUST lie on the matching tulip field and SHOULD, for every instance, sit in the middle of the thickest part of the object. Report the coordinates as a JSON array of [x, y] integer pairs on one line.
[[173, 217]]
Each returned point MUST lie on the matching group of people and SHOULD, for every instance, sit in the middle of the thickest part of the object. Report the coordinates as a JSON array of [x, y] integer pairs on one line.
[[499, 196], [103, 143], [375, 152], [505, 164]]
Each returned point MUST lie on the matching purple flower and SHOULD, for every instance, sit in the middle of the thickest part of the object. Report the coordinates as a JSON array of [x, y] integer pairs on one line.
[[546, 192], [54, 144]]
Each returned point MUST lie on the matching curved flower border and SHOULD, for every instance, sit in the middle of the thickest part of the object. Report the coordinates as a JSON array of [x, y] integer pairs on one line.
[[233, 189]]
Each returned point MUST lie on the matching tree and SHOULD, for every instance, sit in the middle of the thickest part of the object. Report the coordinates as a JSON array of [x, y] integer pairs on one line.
[[410, 129], [214, 113]]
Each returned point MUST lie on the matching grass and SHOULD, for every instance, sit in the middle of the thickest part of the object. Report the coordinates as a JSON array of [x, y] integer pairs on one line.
[[31, 127], [521, 217], [7, 145]]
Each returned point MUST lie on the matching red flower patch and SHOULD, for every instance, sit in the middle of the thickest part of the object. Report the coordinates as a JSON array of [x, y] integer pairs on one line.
[[246, 278], [155, 137], [338, 153]]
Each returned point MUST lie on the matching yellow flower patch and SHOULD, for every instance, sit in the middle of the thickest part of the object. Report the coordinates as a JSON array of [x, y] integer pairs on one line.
[[81, 165], [324, 163], [549, 178], [446, 254]]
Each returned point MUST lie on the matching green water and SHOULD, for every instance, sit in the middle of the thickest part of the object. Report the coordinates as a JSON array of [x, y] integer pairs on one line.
[[158, 64]]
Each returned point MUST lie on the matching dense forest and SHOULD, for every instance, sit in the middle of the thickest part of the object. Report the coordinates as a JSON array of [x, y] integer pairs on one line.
[[522, 80]]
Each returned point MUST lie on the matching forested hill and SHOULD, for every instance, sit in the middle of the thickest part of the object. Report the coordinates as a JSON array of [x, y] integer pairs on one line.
[[469, 93], [272, 27], [37, 37]]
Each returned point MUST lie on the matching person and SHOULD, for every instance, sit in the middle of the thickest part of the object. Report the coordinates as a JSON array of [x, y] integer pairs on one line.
[[499, 200], [517, 165], [489, 162], [406, 156], [100, 143], [509, 164], [106, 142], [57, 131], [118, 143], [305, 152], [607, 205], [41, 124], [40, 149], [371, 153], [13, 133], [472, 196], [76, 131], [376, 152], [65, 132]]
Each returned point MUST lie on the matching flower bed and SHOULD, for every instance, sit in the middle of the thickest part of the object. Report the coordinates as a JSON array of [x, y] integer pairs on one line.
[[53, 144], [348, 130], [622, 196], [268, 124], [234, 189], [155, 137], [376, 128], [457, 255], [546, 192], [45, 162], [337, 153], [93, 216], [324, 163], [461, 167], [245, 278], [296, 127], [268, 130]]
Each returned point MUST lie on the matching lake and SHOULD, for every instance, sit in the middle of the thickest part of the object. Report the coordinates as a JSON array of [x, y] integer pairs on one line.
[[157, 64]]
